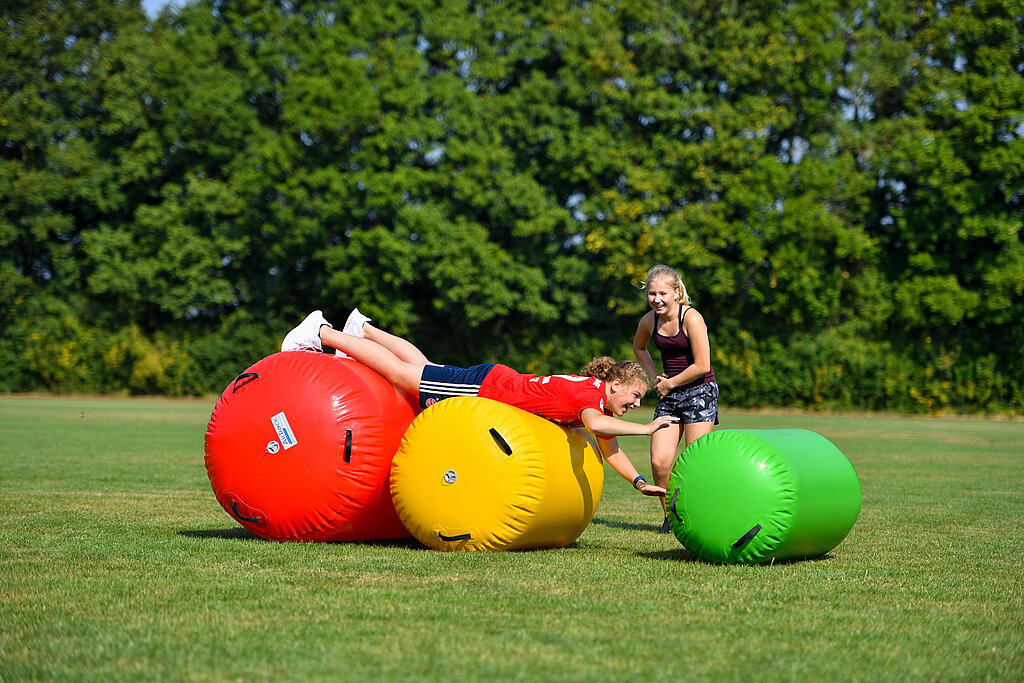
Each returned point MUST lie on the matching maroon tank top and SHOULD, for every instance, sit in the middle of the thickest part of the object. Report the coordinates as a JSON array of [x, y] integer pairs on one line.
[[676, 354]]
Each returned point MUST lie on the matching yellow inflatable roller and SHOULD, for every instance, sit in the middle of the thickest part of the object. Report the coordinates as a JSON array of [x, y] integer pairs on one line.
[[476, 474]]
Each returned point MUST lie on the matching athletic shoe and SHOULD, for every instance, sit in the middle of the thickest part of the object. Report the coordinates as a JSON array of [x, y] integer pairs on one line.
[[666, 528], [306, 335], [354, 324]]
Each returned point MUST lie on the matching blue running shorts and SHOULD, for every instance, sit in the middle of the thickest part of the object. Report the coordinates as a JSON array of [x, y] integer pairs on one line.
[[439, 382]]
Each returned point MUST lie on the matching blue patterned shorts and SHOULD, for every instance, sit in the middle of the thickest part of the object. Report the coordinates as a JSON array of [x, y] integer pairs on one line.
[[691, 404]]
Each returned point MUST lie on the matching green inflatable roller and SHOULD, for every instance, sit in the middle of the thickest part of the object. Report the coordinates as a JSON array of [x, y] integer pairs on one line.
[[748, 496]]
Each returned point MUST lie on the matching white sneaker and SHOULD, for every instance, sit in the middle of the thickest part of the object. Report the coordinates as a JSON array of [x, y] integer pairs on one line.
[[306, 335], [355, 322]]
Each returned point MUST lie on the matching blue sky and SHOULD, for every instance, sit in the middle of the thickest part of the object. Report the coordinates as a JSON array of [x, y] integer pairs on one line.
[[153, 7]]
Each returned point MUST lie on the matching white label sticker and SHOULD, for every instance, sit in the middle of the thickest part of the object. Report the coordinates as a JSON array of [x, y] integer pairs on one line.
[[284, 430]]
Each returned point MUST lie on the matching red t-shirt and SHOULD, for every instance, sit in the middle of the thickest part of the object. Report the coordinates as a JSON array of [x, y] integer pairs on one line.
[[560, 398]]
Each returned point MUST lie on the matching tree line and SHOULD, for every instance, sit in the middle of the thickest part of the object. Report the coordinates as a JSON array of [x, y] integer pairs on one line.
[[838, 181]]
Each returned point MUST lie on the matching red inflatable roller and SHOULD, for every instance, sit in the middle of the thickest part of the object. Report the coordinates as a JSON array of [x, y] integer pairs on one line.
[[299, 448]]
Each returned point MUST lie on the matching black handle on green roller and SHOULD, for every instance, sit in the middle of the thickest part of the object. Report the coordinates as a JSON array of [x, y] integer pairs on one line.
[[236, 513], [248, 376], [672, 505], [498, 439], [747, 536]]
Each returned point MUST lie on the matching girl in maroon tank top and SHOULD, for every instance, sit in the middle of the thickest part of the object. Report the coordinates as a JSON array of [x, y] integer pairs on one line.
[[686, 387]]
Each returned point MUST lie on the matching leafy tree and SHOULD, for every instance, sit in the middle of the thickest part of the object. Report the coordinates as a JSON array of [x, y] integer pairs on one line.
[[839, 183], [941, 101], [55, 184]]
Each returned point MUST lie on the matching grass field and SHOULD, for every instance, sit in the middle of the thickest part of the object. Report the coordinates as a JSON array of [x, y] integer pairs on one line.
[[117, 563]]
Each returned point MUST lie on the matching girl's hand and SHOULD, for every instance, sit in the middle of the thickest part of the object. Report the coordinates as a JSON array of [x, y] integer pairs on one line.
[[662, 386], [651, 490], [661, 423]]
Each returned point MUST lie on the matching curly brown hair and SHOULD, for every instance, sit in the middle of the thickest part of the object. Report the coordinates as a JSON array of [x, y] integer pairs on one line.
[[607, 369]]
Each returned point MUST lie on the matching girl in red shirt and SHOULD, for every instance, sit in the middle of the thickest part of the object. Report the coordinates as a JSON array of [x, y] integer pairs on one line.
[[605, 390]]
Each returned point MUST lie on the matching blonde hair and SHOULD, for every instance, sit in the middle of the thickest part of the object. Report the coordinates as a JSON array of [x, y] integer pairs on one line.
[[626, 371], [669, 275]]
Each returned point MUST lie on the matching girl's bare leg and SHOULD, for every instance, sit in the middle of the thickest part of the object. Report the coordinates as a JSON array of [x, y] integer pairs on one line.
[[402, 348], [664, 443], [402, 373], [695, 430]]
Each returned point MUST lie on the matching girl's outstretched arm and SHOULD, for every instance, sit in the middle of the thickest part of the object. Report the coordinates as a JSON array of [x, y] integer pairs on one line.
[[606, 425], [619, 462]]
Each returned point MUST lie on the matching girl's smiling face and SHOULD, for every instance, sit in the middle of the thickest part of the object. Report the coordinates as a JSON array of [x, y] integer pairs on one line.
[[624, 395], [661, 295]]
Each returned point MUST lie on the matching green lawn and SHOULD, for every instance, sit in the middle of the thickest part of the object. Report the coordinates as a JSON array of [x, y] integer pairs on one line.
[[117, 563]]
